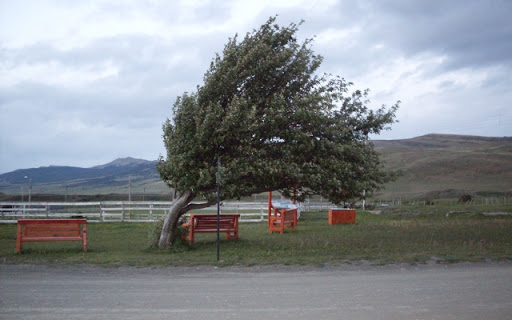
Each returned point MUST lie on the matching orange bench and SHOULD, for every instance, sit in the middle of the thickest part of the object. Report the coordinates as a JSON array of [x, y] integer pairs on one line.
[[281, 215], [51, 230], [281, 219], [207, 223]]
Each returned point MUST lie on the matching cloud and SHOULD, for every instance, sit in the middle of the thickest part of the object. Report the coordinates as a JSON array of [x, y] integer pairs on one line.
[[82, 83]]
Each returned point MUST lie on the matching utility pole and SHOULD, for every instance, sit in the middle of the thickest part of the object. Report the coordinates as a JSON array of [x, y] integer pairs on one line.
[[29, 188], [130, 188]]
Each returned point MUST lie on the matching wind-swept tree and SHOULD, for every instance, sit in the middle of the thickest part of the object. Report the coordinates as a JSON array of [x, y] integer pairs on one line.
[[275, 124]]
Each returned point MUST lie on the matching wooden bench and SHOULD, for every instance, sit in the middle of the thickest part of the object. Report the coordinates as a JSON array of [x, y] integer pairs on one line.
[[207, 223], [281, 219], [51, 230]]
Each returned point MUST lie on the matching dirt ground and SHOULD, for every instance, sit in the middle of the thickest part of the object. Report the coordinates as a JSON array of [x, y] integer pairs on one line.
[[348, 291]]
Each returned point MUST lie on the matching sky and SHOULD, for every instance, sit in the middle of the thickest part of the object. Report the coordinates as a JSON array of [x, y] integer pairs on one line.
[[85, 82]]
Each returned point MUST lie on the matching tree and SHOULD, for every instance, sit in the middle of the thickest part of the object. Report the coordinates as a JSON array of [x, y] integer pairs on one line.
[[275, 124]]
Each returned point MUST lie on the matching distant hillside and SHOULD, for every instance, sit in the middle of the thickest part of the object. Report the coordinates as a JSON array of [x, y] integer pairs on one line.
[[113, 177], [433, 166], [447, 165]]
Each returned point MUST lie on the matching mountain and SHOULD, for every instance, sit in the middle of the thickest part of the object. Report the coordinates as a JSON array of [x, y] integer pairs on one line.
[[441, 165], [124, 162], [433, 165], [113, 177]]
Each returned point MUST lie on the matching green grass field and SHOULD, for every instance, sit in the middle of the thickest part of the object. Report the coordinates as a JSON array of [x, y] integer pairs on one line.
[[398, 235]]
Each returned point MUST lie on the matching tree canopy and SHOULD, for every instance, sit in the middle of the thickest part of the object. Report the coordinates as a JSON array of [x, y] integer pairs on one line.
[[275, 124]]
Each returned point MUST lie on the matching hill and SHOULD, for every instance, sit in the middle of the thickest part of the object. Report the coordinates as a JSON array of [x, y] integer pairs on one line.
[[113, 177], [438, 165], [433, 165]]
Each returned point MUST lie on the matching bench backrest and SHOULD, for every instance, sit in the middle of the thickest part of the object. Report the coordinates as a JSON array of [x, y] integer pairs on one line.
[[289, 215], [51, 228], [210, 221]]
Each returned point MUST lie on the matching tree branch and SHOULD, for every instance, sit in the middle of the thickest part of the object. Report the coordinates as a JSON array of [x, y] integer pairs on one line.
[[197, 206]]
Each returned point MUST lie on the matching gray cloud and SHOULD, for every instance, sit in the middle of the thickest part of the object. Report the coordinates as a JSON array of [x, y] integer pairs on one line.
[[470, 33], [87, 91]]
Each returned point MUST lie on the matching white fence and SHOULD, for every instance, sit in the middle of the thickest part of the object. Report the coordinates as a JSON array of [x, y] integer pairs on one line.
[[115, 211], [130, 211]]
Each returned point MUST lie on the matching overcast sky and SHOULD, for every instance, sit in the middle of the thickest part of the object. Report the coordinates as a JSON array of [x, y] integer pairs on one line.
[[85, 82]]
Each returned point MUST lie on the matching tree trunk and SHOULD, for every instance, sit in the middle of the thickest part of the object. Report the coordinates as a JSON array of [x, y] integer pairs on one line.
[[168, 234]]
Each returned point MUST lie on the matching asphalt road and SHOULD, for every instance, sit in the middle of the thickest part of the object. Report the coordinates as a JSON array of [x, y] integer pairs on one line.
[[461, 291]]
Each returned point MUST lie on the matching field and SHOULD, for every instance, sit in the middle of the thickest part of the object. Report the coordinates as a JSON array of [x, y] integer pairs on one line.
[[407, 234], [447, 165]]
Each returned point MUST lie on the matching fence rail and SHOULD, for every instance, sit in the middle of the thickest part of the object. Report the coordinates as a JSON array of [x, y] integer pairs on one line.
[[130, 211]]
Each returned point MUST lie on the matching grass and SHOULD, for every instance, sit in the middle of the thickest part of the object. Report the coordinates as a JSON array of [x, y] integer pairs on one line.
[[398, 235]]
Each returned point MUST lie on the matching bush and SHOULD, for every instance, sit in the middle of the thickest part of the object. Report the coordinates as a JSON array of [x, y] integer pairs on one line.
[[466, 198], [154, 234]]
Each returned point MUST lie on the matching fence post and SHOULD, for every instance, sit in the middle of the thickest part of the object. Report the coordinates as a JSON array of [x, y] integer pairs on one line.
[[101, 211], [122, 212], [47, 209], [150, 211]]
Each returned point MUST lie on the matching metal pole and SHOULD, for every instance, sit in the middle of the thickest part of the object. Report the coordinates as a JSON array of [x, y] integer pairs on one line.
[[218, 221], [364, 191], [218, 208]]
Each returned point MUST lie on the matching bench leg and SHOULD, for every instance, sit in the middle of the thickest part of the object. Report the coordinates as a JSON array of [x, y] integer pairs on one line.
[[18, 239], [275, 222], [85, 237], [271, 225], [232, 235], [191, 236]]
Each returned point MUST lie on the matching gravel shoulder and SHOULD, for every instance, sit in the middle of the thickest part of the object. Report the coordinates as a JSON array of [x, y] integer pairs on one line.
[[348, 291]]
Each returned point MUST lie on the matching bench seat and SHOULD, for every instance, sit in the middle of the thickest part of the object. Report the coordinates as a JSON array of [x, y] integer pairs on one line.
[[207, 223], [51, 230]]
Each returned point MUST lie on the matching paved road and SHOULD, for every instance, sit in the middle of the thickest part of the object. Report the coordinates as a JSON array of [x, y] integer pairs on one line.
[[462, 291]]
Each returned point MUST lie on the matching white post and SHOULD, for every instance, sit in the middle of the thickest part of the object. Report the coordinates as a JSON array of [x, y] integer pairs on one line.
[[130, 188]]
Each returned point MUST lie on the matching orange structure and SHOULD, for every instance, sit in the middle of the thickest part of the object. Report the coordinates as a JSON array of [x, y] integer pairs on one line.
[[281, 216], [341, 215], [228, 223], [51, 230]]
